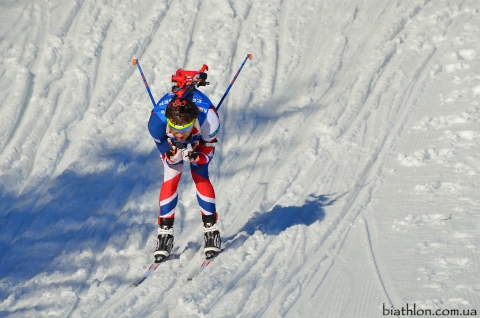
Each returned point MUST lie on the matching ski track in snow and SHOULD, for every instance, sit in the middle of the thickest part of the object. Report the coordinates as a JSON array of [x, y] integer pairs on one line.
[[346, 169]]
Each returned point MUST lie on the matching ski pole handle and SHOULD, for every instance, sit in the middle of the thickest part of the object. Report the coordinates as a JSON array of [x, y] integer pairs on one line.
[[249, 56], [135, 62]]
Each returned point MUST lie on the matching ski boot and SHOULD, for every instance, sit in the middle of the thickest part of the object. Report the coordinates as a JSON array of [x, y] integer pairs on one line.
[[212, 238], [164, 240]]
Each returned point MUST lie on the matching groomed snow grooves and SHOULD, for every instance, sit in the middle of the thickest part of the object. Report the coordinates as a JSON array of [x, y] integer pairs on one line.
[[347, 170]]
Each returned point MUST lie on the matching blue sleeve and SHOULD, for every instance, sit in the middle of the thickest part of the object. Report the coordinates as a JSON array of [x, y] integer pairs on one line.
[[163, 147], [157, 126]]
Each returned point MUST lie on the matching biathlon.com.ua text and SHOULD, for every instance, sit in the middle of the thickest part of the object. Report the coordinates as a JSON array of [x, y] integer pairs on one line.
[[410, 310]]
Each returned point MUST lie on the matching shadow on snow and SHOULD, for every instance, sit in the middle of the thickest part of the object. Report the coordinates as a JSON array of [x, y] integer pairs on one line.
[[51, 234], [281, 218]]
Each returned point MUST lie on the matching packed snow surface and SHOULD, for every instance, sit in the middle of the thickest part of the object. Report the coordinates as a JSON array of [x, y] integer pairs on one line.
[[347, 173]]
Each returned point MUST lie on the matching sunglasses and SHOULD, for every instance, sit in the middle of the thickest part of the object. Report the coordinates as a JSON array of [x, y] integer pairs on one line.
[[180, 128]]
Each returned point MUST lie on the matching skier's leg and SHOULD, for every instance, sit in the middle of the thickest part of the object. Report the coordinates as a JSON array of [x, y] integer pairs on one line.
[[168, 193], [205, 191], [167, 203], [206, 200]]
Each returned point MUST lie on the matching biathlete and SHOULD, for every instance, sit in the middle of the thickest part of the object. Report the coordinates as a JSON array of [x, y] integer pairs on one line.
[[185, 130]]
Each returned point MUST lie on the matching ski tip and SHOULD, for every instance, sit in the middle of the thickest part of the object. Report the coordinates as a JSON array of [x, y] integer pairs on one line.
[[134, 61], [250, 56], [139, 282]]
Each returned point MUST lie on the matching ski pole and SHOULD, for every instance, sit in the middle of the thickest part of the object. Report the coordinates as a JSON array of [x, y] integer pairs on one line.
[[249, 56], [135, 62]]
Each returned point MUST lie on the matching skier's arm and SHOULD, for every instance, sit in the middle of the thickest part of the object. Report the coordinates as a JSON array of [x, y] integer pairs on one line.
[[210, 131], [163, 147], [157, 129], [211, 127]]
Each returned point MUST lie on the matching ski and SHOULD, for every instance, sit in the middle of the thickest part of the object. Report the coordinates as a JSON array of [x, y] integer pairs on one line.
[[207, 262], [153, 267]]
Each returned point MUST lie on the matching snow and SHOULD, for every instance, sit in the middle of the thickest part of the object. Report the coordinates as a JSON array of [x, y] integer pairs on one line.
[[347, 172]]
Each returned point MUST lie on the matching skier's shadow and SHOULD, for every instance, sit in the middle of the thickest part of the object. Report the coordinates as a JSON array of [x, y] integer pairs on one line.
[[280, 218]]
